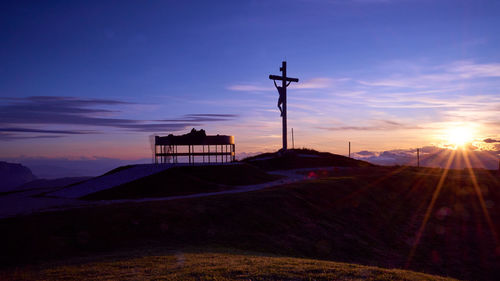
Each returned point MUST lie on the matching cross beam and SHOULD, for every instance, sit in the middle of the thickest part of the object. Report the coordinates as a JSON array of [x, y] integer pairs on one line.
[[276, 77], [282, 96]]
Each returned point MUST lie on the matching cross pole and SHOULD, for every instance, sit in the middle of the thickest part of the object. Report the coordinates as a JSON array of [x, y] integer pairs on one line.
[[282, 96]]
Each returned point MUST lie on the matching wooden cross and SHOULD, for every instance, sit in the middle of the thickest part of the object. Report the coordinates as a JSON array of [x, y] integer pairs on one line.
[[282, 97]]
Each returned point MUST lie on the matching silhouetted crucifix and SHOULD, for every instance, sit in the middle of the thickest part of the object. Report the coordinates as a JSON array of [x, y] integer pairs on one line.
[[285, 81]]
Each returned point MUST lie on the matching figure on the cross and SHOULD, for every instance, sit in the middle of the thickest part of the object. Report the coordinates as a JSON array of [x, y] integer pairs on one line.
[[285, 82], [281, 98]]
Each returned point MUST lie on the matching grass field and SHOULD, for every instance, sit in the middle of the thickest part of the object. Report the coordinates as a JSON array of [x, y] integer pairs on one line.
[[211, 265], [391, 217]]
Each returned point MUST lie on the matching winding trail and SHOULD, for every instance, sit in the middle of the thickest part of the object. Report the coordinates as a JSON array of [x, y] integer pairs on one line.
[[28, 202]]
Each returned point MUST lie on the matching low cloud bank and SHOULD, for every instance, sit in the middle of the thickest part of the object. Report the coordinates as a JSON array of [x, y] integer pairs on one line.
[[51, 168], [433, 156], [430, 156]]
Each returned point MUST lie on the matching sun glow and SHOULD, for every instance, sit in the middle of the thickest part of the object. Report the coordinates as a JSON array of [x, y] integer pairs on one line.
[[459, 136]]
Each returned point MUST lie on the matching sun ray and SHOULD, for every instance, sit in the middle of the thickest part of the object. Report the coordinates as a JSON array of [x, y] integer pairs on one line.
[[429, 209], [374, 183], [480, 160], [421, 206], [435, 158], [480, 197]]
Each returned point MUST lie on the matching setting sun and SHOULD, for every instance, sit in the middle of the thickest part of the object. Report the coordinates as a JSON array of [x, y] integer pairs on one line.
[[459, 136]]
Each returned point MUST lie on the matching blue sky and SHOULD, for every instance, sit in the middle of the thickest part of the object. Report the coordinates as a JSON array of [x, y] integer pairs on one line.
[[82, 79]]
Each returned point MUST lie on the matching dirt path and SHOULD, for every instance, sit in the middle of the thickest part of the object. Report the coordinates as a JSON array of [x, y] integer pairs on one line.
[[24, 203]]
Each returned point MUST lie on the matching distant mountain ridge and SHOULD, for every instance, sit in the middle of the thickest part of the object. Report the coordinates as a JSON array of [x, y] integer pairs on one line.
[[13, 175], [55, 168]]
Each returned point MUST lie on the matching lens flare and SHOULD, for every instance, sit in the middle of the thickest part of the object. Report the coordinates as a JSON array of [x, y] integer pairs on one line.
[[459, 136]]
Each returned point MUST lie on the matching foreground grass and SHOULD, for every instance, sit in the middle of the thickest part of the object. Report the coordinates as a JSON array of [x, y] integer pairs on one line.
[[213, 265]]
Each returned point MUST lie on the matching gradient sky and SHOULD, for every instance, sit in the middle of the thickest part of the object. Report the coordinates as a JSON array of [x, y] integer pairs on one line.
[[82, 79]]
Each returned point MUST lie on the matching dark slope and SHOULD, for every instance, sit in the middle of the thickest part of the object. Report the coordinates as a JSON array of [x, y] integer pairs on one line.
[[46, 183], [185, 180]]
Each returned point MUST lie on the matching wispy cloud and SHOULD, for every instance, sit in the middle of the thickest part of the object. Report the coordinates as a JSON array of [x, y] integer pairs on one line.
[[250, 88], [203, 118], [469, 70], [12, 137], [33, 112], [54, 100], [313, 83], [28, 130], [379, 125], [431, 76]]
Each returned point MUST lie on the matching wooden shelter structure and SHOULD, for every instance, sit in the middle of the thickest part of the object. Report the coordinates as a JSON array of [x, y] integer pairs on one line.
[[195, 145]]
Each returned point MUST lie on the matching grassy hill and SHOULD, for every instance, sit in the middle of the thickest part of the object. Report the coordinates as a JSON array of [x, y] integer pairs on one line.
[[185, 180], [302, 158], [364, 215], [198, 179], [212, 265]]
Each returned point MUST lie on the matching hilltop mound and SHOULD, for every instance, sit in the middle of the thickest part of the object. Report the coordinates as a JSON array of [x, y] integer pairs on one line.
[[302, 158]]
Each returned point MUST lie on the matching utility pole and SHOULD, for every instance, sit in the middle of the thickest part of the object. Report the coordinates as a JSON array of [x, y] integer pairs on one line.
[[418, 157], [282, 96], [293, 142], [349, 149]]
